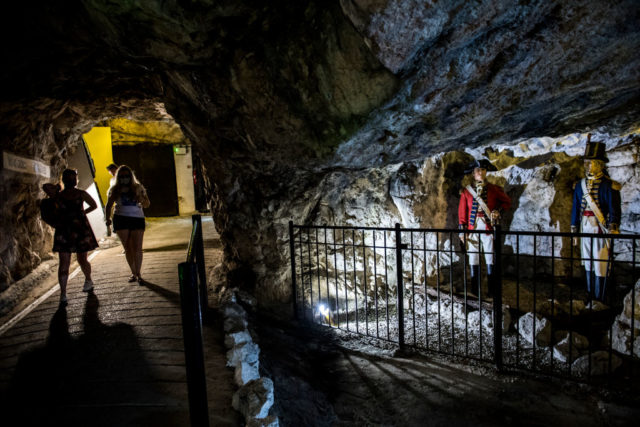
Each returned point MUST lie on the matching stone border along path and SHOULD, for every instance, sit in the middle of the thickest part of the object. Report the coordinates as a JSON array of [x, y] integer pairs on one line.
[[56, 288], [255, 396], [115, 356]]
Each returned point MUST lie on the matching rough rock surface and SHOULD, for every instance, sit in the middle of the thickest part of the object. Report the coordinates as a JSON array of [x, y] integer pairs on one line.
[[236, 338], [270, 421], [621, 338], [631, 307], [255, 398], [246, 372], [247, 352], [319, 112], [599, 364], [535, 329], [570, 347], [625, 331], [474, 317], [234, 324]]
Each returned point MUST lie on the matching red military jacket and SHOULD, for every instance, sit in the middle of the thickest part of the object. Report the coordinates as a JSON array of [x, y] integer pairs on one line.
[[496, 199]]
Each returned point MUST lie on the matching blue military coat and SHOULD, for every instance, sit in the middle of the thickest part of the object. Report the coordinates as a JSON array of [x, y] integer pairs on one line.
[[606, 196]]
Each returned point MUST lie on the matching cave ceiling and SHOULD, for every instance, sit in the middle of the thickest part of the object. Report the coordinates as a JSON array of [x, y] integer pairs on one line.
[[350, 82]]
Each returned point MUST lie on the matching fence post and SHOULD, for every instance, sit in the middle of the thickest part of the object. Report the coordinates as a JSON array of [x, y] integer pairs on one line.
[[495, 283], [399, 248], [292, 252], [202, 275], [193, 351]]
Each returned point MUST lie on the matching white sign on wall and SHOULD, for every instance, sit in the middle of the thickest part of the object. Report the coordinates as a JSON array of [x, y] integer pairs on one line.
[[22, 164]]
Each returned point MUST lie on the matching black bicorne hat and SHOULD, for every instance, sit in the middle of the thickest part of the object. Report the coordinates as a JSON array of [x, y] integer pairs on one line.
[[482, 164], [595, 150]]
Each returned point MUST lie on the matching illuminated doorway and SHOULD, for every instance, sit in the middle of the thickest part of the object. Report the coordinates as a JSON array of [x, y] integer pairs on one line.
[[154, 166]]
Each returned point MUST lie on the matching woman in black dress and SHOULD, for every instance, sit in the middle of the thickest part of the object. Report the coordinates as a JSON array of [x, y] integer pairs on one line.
[[73, 233]]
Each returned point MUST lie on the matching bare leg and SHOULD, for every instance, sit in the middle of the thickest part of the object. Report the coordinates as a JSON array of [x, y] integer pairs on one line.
[[85, 265], [124, 236], [135, 239], [63, 273]]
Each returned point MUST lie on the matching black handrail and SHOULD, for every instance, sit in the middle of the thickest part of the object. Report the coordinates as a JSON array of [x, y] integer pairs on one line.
[[195, 254], [193, 299], [191, 253]]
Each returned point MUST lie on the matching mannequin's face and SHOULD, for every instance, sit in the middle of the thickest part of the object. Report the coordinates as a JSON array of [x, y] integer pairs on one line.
[[479, 174], [593, 167]]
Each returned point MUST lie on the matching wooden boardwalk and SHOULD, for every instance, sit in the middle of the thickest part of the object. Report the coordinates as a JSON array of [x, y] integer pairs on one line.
[[114, 356]]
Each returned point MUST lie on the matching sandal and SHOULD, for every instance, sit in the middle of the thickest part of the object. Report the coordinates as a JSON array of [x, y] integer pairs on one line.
[[132, 278]]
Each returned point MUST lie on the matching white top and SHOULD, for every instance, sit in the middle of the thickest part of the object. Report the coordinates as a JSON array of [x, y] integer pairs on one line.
[[128, 207]]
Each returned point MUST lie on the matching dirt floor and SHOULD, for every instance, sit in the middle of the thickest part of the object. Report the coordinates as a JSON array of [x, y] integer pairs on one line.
[[325, 377]]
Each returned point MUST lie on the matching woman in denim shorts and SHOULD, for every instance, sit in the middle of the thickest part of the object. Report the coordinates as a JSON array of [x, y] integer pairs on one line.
[[129, 197]]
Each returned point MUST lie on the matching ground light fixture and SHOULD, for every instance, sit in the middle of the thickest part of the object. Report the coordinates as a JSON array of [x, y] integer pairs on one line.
[[324, 313]]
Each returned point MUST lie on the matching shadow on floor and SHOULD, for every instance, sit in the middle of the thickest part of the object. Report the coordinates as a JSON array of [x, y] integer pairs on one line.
[[170, 296], [100, 377], [207, 244], [327, 379]]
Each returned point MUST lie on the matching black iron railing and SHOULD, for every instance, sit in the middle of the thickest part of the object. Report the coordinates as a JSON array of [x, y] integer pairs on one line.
[[412, 287], [194, 303]]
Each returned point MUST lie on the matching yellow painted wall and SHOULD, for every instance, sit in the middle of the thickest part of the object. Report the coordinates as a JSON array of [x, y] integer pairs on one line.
[[98, 141]]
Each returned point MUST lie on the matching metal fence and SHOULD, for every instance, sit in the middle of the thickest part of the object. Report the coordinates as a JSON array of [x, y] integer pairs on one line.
[[412, 287]]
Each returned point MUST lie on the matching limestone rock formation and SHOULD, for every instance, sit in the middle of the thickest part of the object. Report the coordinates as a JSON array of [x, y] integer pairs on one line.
[[254, 399], [594, 364], [625, 331], [536, 330], [621, 338], [487, 320], [631, 307], [570, 347]]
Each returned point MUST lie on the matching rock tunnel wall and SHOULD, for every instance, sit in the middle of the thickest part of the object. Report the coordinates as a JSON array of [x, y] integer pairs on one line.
[[48, 130], [538, 174], [346, 112]]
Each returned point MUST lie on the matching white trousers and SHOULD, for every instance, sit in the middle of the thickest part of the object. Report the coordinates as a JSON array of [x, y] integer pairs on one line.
[[594, 251], [474, 241]]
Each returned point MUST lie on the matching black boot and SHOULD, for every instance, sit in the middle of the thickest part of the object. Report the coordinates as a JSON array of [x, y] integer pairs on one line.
[[490, 280], [600, 285], [589, 285], [475, 279]]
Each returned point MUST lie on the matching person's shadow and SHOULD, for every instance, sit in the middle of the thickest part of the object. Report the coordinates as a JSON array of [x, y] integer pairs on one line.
[[81, 378]]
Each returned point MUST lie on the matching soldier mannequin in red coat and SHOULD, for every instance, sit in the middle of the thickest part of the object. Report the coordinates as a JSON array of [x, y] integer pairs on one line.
[[481, 206]]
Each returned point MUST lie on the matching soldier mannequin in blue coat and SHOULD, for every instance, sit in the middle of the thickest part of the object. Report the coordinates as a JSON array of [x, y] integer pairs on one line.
[[596, 209]]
